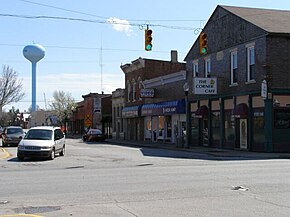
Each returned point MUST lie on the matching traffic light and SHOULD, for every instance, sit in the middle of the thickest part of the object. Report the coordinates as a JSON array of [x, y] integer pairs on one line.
[[148, 39], [203, 43]]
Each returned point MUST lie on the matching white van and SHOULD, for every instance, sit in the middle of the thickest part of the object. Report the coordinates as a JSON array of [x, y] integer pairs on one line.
[[42, 142]]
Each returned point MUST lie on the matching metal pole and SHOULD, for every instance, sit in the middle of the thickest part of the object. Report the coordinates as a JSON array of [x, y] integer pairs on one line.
[[188, 120]]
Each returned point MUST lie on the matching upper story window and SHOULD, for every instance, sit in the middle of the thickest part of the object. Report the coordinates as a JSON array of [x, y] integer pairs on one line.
[[195, 68], [134, 90], [128, 91], [234, 67], [251, 74], [207, 68], [140, 87]]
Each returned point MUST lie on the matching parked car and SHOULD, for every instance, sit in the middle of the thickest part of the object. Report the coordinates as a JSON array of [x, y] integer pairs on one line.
[[42, 142], [1, 130], [12, 135], [95, 135]]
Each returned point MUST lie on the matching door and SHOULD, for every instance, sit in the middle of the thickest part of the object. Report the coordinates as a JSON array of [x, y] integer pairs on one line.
[[243, 134]]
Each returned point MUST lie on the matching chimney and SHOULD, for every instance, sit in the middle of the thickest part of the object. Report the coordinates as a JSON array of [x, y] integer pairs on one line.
[[174, 56]]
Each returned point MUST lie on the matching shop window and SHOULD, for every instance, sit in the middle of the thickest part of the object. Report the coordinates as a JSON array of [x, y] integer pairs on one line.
[[216, 126], [148, 130], [259, 127], [229, 128]]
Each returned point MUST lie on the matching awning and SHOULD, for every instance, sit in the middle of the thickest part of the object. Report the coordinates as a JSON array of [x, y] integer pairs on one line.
[[241, 111], [164, 108], [131, 111], [201, 112]]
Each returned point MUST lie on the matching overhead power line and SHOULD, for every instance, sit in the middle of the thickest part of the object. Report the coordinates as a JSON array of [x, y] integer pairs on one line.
[[93, 15], [97, 21]]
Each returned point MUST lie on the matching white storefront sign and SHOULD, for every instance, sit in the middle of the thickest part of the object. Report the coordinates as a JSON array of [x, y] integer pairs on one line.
[[147, 93], [264, 89], [205, 86]]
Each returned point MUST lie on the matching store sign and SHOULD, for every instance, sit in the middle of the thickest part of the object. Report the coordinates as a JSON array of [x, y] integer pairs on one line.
[[147, 93], [205, 86], [264, 89]]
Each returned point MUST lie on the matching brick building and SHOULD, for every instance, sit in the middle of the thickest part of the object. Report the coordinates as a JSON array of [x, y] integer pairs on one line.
[[95, 111], [153, 99], [118, 103], [247, 50]]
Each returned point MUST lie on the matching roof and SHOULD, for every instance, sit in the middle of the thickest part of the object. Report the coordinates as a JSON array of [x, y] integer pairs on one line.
[[45, 127], [272, 21]]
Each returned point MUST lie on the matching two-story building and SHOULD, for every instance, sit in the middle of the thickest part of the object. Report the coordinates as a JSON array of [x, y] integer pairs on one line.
[[246, 55], [154, 105]]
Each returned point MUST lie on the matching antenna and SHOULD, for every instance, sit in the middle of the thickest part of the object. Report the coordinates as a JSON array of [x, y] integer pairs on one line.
[[101, 63]]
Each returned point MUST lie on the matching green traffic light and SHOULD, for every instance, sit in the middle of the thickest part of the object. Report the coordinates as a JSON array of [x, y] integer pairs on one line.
[[149, 47], [203, 50]]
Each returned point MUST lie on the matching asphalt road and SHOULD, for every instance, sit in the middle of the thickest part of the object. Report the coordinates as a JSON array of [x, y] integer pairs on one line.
[[95, 179]]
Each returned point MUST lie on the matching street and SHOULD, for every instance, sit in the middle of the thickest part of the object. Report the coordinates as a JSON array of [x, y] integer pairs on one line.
[[103, 179]]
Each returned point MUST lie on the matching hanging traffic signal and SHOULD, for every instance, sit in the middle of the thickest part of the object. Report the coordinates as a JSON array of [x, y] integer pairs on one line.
[[203, 43], [148, 39]]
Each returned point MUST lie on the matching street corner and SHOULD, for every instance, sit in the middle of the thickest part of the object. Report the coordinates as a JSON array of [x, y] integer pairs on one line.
[[4, 154]]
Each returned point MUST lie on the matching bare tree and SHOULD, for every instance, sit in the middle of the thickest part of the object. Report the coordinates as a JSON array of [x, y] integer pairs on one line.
[[62, 106], [10, 87]]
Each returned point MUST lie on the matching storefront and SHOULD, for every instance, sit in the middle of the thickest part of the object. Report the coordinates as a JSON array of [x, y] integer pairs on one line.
[[164, 121], [242, 122], [132, 120]]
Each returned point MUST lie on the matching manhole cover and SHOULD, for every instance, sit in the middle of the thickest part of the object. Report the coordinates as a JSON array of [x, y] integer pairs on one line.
[[40, 209]]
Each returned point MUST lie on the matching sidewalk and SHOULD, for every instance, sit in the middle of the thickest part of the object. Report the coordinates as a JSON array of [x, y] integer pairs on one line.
[[215, 152]]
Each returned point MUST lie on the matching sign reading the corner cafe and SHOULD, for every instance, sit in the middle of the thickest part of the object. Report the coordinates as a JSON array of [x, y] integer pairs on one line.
[[205, 86]]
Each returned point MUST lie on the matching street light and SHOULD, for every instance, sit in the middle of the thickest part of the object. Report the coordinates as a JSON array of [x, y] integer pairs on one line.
[[187, 111]]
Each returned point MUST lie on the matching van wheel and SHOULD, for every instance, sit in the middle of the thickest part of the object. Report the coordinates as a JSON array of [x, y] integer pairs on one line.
[[62, 151], [20, 157], [52, 154]]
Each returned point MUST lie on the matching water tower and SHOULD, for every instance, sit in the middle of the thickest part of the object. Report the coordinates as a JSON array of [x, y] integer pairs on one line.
[[33, 53]]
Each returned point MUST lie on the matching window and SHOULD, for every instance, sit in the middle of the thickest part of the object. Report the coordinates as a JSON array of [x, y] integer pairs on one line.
[[207, 68], [195, 68], [234, 67], [128, 90], [251, 74], [140, 87], [134, 90]]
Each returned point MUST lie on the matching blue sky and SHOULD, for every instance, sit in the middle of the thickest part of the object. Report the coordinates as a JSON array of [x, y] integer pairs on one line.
[[85, 56]]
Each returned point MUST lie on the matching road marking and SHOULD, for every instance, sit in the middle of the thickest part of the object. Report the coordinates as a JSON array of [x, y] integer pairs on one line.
[[6, 155], [19, 215]]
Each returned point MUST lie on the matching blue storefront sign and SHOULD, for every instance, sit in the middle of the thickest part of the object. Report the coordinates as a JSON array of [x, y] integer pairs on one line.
[[164, 108]]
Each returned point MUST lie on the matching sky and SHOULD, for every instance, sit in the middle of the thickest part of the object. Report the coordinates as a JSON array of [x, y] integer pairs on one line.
[[87, 41]]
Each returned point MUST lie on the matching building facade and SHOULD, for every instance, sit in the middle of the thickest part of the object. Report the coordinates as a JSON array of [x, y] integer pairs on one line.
[[118, 103], [247, 58], [154, 99], [95, 111]]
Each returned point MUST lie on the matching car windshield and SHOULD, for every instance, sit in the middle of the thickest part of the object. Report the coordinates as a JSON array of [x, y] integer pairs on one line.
[[14, 130], [38, 134], [94, 131]]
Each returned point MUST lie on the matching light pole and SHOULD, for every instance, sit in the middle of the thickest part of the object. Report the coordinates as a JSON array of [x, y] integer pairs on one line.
[[187, 112]]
